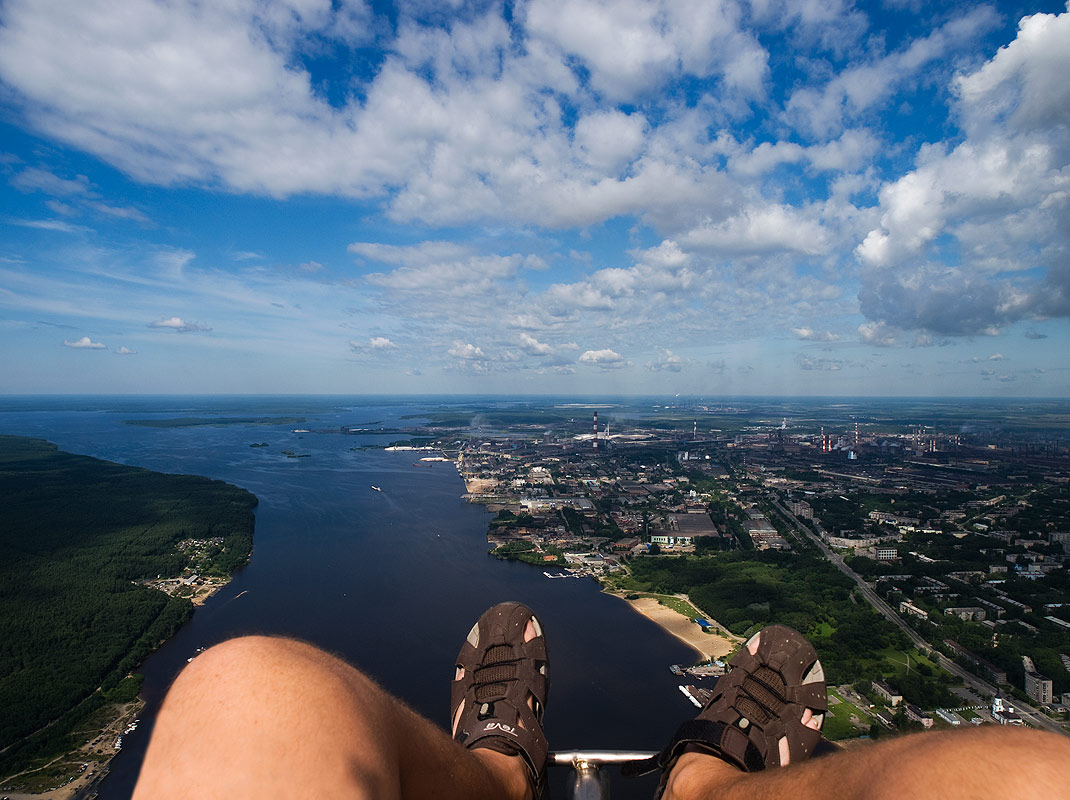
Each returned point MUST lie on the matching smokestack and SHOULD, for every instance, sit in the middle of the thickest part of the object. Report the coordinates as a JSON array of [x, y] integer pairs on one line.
[[595, 430], [694, 434]]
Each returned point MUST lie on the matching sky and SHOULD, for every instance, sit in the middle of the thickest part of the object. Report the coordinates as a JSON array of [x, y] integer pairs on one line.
[[703, 197]]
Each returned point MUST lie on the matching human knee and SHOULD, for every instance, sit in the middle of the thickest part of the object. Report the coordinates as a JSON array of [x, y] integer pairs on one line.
[[255, 663]]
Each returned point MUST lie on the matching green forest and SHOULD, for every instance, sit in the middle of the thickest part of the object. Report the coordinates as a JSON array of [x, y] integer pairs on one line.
[[745, 591], [77, 535]]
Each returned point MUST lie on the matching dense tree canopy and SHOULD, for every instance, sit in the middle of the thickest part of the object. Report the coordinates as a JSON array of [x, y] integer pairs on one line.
[[77, 536]]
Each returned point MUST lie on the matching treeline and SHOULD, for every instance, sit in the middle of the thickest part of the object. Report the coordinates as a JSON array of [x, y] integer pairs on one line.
[[746, 591], [77, 534]]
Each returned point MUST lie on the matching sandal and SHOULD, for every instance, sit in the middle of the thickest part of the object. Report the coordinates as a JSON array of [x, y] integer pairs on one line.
[[499, 691], [766, 712]]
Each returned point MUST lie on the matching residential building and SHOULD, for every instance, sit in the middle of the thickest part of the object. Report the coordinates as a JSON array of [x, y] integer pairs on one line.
[[888, 693], [966, 613], [1038, 687]]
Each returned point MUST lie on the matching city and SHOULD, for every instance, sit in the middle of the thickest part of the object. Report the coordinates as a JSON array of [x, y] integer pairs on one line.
[[959, 540]]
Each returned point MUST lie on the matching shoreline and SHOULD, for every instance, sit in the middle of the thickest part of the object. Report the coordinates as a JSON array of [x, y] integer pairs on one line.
[[98, 752], [709, 646]]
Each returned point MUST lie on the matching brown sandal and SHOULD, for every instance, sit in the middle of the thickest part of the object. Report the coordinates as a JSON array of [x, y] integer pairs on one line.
[[755, 718], [499, 692]]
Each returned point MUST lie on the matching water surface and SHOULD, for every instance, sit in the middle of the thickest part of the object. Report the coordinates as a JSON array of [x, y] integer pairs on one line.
[[390, 580]]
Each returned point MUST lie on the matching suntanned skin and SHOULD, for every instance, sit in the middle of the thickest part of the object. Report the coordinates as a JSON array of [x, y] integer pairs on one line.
[[262, 717], [981, 763]]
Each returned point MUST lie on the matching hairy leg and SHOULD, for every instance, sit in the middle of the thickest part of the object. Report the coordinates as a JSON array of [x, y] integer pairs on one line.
[[988, 762], [266, 717]]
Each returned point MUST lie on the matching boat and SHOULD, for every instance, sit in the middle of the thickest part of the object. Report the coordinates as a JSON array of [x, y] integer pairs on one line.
[[376, 488]]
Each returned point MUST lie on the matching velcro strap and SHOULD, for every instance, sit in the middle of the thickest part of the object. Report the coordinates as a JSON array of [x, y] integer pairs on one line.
[[702, 732]]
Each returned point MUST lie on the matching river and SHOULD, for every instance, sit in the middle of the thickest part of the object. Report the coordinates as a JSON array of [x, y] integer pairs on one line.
[[390, 580]]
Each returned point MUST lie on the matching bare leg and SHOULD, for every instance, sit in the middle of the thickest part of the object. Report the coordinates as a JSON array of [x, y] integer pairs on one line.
[[263, 717], [989, 762]]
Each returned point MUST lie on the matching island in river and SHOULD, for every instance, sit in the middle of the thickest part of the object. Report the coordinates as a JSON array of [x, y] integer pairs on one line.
[[100, 563]]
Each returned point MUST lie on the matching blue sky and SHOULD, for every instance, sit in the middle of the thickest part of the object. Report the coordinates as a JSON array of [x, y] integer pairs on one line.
[[554, 196]]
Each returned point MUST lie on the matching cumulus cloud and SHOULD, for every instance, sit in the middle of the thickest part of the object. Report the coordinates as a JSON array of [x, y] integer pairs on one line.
[[125, 351], [810, 335], [532, 346], [466, 351], [627, 47], [605, 359], [85, 343], [179, 325], [761, 229], [374, 345], [1000, 197], [876, 333]]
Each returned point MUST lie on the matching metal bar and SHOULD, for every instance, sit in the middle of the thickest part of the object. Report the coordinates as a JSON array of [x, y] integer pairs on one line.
[[564, 758]]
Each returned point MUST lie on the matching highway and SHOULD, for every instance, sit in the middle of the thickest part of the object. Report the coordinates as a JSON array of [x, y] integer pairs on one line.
[[1034, 717]]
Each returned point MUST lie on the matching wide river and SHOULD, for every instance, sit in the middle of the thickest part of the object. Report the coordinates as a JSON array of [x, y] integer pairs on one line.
[[390, 580]]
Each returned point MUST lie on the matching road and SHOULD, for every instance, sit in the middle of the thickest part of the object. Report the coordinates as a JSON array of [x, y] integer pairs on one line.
[[1034, 717]]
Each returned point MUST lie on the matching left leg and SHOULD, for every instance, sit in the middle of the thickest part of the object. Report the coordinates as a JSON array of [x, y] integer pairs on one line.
[[265, 717]]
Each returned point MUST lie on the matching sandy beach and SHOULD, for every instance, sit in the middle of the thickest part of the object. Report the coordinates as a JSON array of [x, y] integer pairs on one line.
[[709, 646]]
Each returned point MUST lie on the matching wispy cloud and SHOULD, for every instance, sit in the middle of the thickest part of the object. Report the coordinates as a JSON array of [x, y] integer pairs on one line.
[[50, 225], [179, 325]]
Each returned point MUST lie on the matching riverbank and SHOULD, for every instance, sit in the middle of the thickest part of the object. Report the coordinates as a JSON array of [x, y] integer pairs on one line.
[[79, 512], [708, 646]]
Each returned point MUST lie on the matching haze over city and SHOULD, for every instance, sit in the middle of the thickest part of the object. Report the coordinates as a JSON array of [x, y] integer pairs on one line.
[[554, 196]]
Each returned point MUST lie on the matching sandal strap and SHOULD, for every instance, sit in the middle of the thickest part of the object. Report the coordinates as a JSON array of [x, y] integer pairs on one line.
[[758, 704], [502, 675]]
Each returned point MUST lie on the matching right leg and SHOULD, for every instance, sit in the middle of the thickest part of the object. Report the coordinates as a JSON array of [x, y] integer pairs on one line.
[[985, 762]]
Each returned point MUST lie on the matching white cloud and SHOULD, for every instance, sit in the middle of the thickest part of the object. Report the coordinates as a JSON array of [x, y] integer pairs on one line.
[[668, 361], [629, 46], [41, 180], [50, 225], [608, 140], [85, 343], [852, 151], [606, 359], [381, 343], [1001, 197], [180, 325], [810, 335], [533, 346], [120, 212], [861, 87], [466, 351], [876, 333], [125, 351], [761, 229]]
